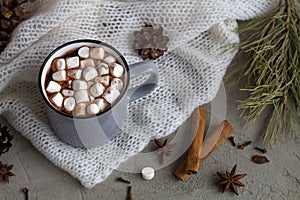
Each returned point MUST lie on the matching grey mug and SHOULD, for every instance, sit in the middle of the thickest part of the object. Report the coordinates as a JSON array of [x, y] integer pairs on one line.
[[98, 130]]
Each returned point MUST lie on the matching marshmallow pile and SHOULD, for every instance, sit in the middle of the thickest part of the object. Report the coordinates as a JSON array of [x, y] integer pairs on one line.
[[85, 83]]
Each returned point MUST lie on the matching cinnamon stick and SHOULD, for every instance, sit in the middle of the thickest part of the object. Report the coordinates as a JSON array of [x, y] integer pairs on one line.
[[209, 145], [193, 161], [180, 172]]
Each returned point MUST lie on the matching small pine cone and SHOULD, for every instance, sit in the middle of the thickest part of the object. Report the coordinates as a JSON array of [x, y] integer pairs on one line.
[[5, 139], [150, 42], [12, 13]]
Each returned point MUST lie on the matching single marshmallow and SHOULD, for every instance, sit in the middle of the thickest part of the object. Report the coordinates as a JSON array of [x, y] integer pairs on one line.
[[109, 59], [72, 62], [81, 96], [79, 85], [117, 70], [84, 52], [67, 93], [97, 89], [89, 73], [59, 64], [111, 94], [75, 74], [148, 173], [57, 99], [97, 53], [59, 75], [103, 69], [80, 110], [93, 109], [116, 83], [69, 104], [103, 79], [102, 104], [87, 63], [53, 87]]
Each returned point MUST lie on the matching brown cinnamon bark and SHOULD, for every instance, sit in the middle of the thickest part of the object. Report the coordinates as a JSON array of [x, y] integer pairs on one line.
[[209, 145], [193, 161]]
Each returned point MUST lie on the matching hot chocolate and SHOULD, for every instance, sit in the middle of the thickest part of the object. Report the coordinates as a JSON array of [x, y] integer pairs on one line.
[[85, 81]]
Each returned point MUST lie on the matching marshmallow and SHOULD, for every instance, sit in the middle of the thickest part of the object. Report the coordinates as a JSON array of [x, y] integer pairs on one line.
[[84, 52], [57, 99], [69, 104], [72, 62], [87, 63], [116, 83], [79, 85], [81, 96], [117, 70], [75, 74], [103, 79], [58, 64], [111, 94], [97, 53], [148, 173], [59, 75], [67, 93], [109, 59], [97, 89], [89, 73], [102, 104], [103, 69], [53, 87], [80, 110], [93, 109]]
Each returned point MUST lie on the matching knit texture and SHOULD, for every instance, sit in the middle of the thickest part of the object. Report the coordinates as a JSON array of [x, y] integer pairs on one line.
[[190, 72]]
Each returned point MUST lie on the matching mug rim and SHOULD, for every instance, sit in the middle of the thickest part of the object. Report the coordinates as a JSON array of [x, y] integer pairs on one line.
[[98, 42]]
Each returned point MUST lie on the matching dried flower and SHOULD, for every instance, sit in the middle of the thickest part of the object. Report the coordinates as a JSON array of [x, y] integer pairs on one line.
[[5, 139], [260, 159], [164, 148], [150, 42], [12, 13], [25, 191], [120, 179], [231, 180], [129, 194], [5, 172], [231, 139], [242, 146]]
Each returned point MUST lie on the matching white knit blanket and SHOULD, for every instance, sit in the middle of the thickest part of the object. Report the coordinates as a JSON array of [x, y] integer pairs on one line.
[[190, 72]]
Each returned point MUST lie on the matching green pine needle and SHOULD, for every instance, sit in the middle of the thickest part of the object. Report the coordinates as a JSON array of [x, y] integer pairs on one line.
[[271, 64]]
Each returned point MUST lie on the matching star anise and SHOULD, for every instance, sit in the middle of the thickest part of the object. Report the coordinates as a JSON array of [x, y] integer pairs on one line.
[[5, 139], [150, 42], [164, 148], [5, 172], [231, 180]]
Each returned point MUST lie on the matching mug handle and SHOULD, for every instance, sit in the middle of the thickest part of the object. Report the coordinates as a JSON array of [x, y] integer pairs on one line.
[[146, 87]]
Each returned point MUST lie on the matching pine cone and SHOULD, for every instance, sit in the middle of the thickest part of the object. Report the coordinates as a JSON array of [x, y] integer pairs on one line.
[[5, 139], [5, 172], [12, 13], [150, 42]]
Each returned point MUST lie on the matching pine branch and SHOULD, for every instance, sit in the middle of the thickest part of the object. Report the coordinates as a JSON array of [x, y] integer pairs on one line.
[[271, 65]]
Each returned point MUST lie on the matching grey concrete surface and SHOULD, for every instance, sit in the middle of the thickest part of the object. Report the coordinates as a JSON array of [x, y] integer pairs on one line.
[[278, 179]]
